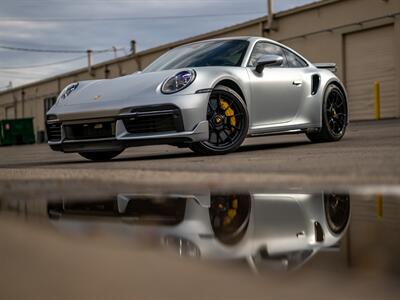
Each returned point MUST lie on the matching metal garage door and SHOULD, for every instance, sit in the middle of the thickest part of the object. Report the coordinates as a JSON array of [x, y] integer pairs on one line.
[[369, 56]]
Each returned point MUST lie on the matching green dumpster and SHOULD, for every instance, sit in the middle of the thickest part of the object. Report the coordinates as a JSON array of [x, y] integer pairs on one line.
[[17, 131]]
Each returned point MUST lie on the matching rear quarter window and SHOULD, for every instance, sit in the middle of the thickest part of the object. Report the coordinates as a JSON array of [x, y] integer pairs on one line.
[[293, 60]]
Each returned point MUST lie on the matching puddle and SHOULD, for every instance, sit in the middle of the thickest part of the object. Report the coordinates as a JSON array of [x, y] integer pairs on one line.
[[262, 233]]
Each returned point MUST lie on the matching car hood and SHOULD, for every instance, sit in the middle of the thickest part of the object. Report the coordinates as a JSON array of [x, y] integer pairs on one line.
[[134, 86]]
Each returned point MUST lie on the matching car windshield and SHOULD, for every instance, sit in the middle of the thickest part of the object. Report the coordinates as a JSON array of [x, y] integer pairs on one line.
[[203, 54]]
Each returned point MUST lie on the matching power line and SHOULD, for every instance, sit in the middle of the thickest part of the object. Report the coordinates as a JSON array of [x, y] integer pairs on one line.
[[118, 19], [6, 47], [43, 65]]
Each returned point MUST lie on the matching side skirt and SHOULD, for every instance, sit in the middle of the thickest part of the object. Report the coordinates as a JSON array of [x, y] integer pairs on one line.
[[284, 132]]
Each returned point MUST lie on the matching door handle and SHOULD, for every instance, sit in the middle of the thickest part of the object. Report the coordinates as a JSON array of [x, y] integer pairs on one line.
[[297, 82]]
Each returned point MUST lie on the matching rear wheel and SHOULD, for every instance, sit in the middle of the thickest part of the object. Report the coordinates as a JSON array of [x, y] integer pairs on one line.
[[334, 117], [337, 211], [100, 156], [228, 123]]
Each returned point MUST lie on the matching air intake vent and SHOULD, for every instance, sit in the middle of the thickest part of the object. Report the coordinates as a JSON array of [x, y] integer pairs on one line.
[[319, 233], [315, 84], [90, 131], [154, 120], [53, 132]]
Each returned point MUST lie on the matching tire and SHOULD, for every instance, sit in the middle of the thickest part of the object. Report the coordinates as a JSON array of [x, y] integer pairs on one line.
[[334, 117], [228, 120], [230, 216], [337, 211], [100, 156]]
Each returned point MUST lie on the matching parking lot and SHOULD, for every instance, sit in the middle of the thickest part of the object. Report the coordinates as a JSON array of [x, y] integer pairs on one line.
[[365, 166], [368, 154]]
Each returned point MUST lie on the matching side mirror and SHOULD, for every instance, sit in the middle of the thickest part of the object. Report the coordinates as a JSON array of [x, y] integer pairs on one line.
[[269, 60]]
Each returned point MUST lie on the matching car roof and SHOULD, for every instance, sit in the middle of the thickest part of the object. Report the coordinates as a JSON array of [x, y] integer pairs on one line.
[[244, 38], [252, 40]]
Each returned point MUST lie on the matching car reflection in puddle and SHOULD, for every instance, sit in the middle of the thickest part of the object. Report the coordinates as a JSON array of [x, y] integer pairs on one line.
[[276, 230]]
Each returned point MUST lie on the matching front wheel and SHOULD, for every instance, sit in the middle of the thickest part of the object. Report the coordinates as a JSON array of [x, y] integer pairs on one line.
[[334, 116], [228, 122], [100, 156]]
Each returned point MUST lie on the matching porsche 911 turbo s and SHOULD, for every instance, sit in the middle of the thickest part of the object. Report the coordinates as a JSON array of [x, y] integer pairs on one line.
[[279, 229], [208, 96]]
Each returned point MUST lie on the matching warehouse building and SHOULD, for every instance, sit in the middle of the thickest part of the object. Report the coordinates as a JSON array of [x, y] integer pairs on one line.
[[361, 36]]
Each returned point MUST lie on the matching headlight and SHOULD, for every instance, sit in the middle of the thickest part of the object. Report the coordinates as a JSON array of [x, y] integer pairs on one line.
[[178, 82], [68, 90]]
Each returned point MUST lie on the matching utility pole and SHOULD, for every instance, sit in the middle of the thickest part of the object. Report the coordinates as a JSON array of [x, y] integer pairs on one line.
[[133, 47], [115, 51], [6, 87], [270, 23], [270, 14], [89, 60]]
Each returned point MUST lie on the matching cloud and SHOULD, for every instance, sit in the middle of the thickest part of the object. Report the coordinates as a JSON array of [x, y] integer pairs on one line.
[[31, 24]]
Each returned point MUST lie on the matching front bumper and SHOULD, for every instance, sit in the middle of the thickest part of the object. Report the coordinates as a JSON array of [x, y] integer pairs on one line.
[[133, 126], [124, 140]]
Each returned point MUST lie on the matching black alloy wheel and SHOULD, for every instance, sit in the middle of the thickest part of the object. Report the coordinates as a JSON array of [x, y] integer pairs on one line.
[[334, 116], [337, 211], [336, 112], [228, 123], [230, 216]]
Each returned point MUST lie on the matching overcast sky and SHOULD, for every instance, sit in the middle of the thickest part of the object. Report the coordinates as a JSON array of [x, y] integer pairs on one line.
[[83, 24]]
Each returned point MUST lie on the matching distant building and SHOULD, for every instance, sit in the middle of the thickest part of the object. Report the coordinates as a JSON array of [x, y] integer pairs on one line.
[[361, 36]]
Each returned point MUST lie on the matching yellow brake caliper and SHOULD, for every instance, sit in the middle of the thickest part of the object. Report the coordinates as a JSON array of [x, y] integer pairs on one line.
[[232, 212], [229, 112]]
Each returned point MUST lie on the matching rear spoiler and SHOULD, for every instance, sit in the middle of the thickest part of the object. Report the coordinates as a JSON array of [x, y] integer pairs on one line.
[[329, 66]]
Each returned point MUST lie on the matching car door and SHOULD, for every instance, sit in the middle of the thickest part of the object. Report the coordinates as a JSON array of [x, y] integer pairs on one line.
[[278, 218], [277, 91]]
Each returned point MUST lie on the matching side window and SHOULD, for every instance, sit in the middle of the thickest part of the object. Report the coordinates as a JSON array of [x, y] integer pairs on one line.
[[294, 61], [264, 48]]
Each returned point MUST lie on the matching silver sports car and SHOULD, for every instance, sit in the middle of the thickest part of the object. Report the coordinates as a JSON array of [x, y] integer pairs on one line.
[[279, 229], [208, 96]]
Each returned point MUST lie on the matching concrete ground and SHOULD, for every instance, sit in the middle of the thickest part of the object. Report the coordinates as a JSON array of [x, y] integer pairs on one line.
[[368, 154], [38, 261]]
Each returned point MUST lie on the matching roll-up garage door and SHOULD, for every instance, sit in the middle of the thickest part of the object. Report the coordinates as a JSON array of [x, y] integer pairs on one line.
[[369, 56]]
